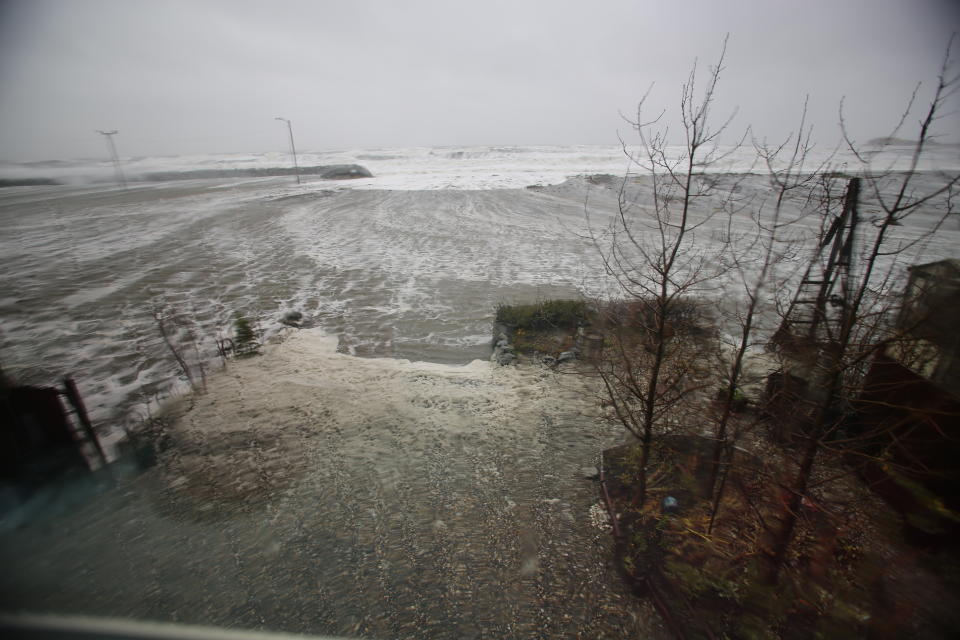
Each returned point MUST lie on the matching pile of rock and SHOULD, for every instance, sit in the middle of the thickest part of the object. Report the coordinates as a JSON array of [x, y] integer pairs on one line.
[[503, 352], [563, 357], [292, 318]]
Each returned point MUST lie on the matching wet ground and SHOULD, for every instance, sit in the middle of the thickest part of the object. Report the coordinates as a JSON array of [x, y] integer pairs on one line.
[[317, 492]]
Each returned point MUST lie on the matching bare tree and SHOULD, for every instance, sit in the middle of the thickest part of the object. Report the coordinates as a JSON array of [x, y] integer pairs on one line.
[[179, 333], [788, 174], [648, 364], [160, 318], [861, 320]]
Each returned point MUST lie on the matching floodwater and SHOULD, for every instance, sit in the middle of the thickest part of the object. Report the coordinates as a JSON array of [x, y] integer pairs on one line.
[[372, 475], [312, 489], [408, 274]]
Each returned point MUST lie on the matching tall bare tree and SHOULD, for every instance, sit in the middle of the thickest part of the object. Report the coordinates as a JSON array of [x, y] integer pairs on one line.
[[648, 367], [861, 322], [790, 176]]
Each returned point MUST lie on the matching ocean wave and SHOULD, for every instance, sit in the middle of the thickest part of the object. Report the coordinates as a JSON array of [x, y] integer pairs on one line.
[[464, 167]]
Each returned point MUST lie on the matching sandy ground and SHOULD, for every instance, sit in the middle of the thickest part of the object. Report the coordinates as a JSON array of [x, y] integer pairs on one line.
[[312, 491]]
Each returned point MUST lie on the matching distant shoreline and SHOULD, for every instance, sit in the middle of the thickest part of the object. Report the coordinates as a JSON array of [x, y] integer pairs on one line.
[[326, 172]]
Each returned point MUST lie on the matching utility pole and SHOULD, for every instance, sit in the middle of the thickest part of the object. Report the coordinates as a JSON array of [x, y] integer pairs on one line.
[[113, 155], [293, 148]]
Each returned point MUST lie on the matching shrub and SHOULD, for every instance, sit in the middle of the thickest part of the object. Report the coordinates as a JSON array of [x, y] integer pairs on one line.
[[548, 314], [245, 338]]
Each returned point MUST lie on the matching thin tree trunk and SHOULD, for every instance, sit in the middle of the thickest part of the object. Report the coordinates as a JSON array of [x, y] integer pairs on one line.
[[173, 350], [784, 536], [650, 406]]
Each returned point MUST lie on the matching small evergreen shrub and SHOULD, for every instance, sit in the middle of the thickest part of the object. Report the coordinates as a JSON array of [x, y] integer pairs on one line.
[[245, 341]]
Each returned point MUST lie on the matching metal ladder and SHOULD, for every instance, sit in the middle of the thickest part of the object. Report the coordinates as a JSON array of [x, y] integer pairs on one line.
[[808, 316]]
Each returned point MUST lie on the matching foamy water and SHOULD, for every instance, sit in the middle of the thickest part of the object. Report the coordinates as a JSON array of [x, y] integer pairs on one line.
[[408, 264], [390, 273], [419, 168]]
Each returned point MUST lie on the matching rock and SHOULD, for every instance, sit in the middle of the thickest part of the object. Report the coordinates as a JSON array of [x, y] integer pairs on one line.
[[292, 318], [500, 332], [590, 473], [604, 179], [344, 172], [567, 356], [503, 352]]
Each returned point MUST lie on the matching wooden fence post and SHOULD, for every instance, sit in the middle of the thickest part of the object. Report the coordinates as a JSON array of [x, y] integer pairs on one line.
[[73, 395]]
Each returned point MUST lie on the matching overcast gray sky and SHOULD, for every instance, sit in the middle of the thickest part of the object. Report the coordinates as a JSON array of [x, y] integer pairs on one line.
[[209, 76]]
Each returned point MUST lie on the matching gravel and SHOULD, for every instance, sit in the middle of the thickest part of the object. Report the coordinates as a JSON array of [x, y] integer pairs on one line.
[[314, 492]]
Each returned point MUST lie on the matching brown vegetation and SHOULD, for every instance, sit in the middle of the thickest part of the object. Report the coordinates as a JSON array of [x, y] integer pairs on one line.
[[774, 535]]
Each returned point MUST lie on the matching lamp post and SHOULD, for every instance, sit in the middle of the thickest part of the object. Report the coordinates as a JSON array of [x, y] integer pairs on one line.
[[293, 148], [113, 155]]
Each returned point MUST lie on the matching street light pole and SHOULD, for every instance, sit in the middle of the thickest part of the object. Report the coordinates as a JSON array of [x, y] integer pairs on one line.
[[293, 148], [113, 155]]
